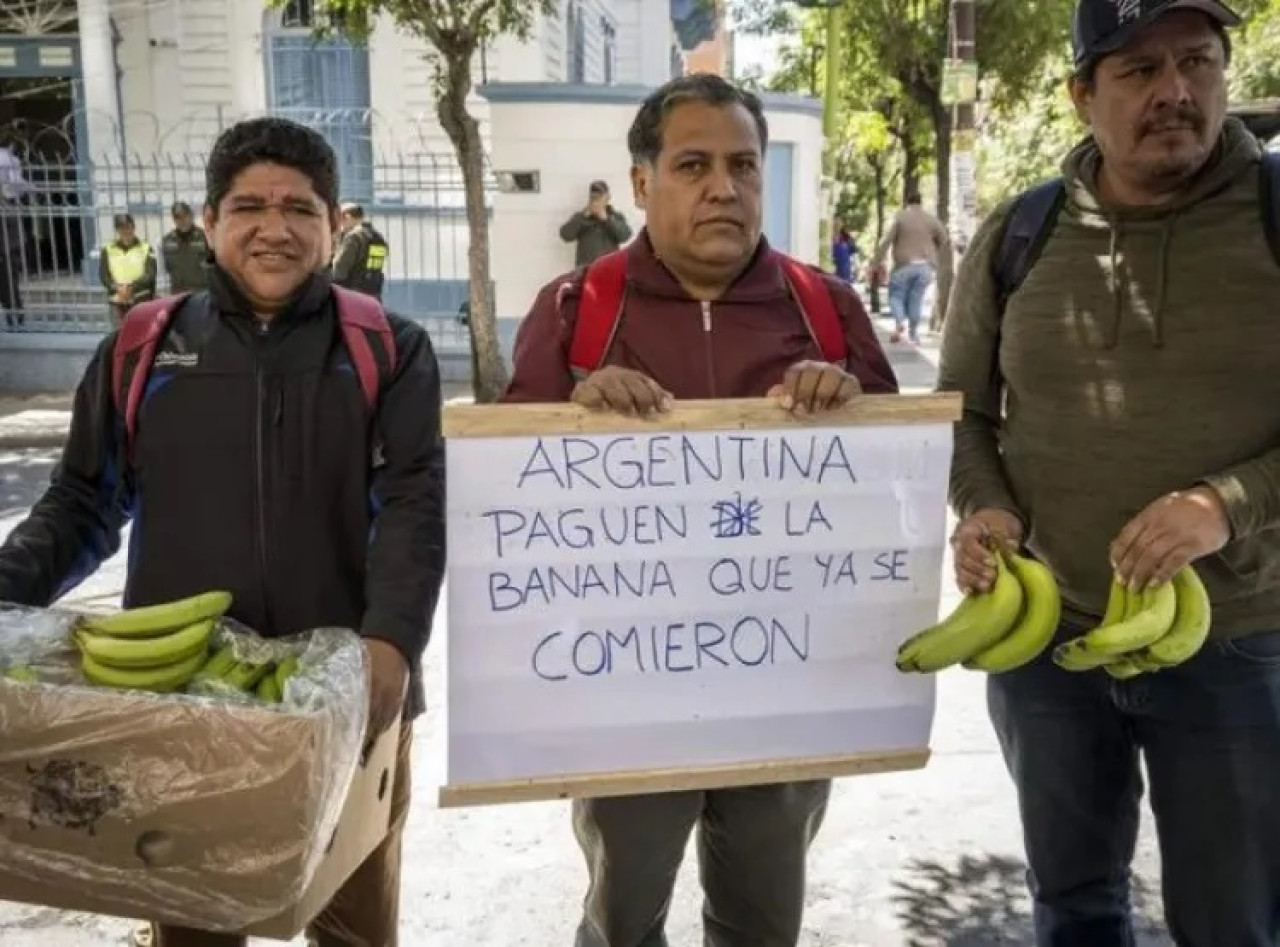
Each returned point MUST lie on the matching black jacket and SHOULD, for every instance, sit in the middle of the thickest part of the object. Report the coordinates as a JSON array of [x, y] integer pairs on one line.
[[361, 261], [186, 260], [253, 471]]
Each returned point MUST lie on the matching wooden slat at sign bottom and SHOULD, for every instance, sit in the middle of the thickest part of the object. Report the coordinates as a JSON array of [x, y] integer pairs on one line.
[[714, 777], [710, 598]]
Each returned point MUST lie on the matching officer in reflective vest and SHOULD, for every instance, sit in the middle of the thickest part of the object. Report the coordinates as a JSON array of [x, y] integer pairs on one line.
[[127, 268], [361, 260]]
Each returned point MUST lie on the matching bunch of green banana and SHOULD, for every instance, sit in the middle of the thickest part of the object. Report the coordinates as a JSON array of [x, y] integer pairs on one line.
[[1143, 631], [993, 631], [157, 648], [265, 679]]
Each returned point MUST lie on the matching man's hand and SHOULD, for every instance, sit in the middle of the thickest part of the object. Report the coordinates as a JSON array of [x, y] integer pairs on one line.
[[388, 684], [815, 386], [1170, 533], [599, 208], [622, 390], [974, 543]]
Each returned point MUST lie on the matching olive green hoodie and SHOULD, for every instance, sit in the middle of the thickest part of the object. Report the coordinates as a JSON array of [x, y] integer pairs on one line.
[[1141, 355]]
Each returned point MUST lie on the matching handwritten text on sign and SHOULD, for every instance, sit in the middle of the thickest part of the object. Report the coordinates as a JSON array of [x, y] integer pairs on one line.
[[626, 602]]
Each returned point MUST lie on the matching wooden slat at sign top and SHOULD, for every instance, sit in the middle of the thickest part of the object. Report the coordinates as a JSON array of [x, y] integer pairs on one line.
[[711, 598]]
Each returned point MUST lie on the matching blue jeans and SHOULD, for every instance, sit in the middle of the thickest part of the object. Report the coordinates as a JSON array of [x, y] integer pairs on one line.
[[907, 287], [1210, 734]]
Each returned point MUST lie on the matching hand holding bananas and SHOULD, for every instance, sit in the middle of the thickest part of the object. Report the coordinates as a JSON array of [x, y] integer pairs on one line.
[[972, 542], [1169, 534], [1145, 630], [996, 630]]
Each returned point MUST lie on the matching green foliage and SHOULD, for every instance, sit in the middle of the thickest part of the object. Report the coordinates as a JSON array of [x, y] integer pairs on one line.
[[1024, 143], [1255, 65]]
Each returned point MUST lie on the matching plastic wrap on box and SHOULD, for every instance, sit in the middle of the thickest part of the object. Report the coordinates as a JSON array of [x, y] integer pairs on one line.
[[208, 809]]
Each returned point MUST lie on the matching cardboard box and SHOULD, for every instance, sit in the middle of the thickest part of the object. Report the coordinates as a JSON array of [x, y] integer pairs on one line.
[[191, 813], [365, 819]]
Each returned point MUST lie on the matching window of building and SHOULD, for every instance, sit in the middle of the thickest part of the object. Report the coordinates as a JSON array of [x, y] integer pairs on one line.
[[609, 39], [575, 44], [298, 14], [301, 15], [324, 84]]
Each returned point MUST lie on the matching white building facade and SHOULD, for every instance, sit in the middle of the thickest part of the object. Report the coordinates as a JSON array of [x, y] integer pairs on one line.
[[116, 103]]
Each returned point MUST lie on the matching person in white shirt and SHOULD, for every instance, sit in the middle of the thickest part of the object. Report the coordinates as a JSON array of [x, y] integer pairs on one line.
[[13, 188]]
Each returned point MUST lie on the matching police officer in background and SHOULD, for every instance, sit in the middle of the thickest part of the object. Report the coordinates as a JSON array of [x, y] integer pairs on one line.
[[186, 252], [127, 268], [362, 255]]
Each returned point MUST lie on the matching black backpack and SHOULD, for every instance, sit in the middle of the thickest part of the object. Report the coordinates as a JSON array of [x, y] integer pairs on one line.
[[1035, 213]]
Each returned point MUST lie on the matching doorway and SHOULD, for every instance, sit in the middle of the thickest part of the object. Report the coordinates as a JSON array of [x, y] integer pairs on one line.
[[42, 126], [37, 116]]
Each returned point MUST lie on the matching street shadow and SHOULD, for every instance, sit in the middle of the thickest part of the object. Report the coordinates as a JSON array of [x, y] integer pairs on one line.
[[982, 901], [24, 476]]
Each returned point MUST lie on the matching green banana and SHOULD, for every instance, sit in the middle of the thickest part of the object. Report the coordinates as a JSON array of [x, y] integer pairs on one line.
[[158, 652], [1190, 628], [285, 670], [246, 675], [268, 690], [1155, 609], [163, 680], [907, 650], [1124, 669], [968, 630], [1076, 655], [222, 662], [1041, 612], [152, 620], [23, 675], [1117, 601]]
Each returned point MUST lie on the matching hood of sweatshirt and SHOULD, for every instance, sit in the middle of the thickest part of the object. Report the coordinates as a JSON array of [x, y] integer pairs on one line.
[[1236, 153]]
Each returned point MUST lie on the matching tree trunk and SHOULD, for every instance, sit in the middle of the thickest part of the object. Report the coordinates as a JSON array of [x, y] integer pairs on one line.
[[489, 371], [942, 157], [910, 168], [881, 198]]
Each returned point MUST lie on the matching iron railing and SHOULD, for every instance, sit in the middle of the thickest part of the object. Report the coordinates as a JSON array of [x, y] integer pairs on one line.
[[51, 233]]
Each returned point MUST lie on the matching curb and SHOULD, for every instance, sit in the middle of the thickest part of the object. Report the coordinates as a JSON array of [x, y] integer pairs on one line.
[[22, 440]]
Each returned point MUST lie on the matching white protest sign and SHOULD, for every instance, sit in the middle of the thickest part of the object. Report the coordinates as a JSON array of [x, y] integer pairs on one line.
[[712, 598]]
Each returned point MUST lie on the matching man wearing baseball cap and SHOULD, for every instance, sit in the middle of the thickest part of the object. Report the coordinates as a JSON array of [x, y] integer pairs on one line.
[[1122, 416]]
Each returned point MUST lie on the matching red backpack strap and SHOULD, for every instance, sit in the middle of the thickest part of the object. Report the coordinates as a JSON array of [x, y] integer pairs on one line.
[[140, 334], [604, 287], [361, 316], [818, 308]]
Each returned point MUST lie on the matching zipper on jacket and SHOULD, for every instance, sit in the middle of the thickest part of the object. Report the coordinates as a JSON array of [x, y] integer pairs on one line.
[[260, 468], [711, 359]]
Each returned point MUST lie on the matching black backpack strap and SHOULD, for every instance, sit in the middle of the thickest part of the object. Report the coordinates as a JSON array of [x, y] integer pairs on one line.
[[1269, 171], [1026, 231]]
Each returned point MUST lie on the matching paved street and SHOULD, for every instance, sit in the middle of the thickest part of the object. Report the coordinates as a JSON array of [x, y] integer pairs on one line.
[[910, 860]]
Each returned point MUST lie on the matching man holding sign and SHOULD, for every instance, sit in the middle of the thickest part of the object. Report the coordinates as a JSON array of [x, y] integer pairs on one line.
[[698, 306]]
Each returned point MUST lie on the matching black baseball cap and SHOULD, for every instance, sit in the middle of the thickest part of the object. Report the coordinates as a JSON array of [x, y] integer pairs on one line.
[[1102, 27]]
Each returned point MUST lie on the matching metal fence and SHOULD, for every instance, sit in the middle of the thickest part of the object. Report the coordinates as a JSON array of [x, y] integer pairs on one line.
[[59, 216]]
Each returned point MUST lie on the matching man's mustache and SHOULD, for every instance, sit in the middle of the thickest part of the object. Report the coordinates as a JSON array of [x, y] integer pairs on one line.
[[1184, 117]]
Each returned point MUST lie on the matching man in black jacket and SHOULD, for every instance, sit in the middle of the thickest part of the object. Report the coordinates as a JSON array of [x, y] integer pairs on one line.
[[253, 468]]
